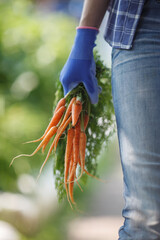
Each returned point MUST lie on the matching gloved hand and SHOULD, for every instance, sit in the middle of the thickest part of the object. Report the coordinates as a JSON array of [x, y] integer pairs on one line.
[[80, 66]]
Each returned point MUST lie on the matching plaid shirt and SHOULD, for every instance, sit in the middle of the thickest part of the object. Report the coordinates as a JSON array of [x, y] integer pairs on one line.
[[122, 22]]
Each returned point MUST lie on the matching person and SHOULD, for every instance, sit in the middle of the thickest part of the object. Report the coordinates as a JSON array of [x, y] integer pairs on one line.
[[133, 31]]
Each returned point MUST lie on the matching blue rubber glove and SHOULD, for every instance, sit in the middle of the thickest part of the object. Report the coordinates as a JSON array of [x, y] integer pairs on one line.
[[80, 66]]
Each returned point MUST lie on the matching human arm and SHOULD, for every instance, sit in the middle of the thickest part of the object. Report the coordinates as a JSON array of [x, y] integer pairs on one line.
[[93, 13], [80, 66]]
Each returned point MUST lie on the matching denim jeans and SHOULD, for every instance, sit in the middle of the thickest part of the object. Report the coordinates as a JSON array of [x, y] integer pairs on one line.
[[136, 97]]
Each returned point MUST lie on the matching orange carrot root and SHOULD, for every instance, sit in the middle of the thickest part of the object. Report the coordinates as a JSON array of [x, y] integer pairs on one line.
[[21, 155], [61, 130], [33, 141], [68, 158], [72, 174], [76, 144], [48, 136], [55, 142], [82, 149], [89, 174], [71, 184], [86, 120], [44, 147], [68, 111], [76, 110], [61, 103], [55, 119]]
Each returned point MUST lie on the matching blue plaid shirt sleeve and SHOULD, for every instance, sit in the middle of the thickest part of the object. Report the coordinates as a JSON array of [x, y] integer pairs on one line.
[[122, 22]]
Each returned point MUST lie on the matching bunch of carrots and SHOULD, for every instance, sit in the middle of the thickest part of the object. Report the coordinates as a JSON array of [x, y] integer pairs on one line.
[[71, 118], [68, 127]]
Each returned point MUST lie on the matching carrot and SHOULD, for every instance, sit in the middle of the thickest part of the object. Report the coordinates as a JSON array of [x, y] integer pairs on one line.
[[70, 170], [37, 140], [75, 155], [76, 144], [56, 118], [82, 149], [86, 120], [68, 156], [54, 143], [61, 130], [75, 159], [71, 184], [89, 174], [71, 179], [54, 121], [68, 111], [47, 141], [61, 103], [48, 136], [44, 147], [76, 110], [75, 150], [71, 164]]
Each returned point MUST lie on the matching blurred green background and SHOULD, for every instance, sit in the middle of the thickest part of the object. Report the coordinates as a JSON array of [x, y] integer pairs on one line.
[[34, 45], [33, 49]]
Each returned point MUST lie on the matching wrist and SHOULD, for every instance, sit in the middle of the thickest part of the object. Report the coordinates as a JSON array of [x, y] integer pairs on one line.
[[86, 36], [84, 43]]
